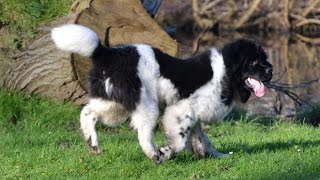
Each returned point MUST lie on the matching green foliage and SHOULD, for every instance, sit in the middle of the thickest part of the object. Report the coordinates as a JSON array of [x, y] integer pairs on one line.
[[41, 140], [311, 115], [23, 17]]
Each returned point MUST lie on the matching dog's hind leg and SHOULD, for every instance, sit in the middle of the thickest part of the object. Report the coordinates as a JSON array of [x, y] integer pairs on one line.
[[200, 144], [108, 112], [178, 121], [88, 120]]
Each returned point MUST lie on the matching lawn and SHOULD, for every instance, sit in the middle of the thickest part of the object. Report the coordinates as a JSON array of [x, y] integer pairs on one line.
[[41, 140], [21, 18]]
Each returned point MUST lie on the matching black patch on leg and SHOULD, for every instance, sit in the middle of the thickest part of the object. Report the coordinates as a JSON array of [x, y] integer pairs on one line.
[[168, 148], [89, 142], [182, 134], [188, 117]]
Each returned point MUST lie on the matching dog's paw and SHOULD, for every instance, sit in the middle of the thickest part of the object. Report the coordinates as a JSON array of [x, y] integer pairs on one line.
[[164, 153], [95, 150], [159, 157]]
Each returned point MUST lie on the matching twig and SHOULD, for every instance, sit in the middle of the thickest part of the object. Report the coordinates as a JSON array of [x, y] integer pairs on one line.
[[294, 86], [209, 5], [307, 39], [286, 13], [287, 92], [308, 21], [297, 17], [309, 9], [286, 88]]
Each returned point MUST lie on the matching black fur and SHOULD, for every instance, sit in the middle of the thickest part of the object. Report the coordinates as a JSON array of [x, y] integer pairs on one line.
[[187, 75], [243, 59], [120, 65]]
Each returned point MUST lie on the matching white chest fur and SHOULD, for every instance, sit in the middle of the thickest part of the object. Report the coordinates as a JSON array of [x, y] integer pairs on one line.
[[206, 102]]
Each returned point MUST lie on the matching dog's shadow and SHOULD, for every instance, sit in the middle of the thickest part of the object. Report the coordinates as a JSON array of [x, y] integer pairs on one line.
[[270, 146], [244, 148]]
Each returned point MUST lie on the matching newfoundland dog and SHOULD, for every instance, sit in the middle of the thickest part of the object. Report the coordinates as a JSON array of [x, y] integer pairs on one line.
[[133, 81]]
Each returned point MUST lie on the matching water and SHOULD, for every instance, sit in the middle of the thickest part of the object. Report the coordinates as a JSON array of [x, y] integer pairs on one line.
[[288, 53]]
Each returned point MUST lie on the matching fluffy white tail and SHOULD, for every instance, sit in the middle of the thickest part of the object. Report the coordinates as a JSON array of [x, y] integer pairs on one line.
[[75, 38]]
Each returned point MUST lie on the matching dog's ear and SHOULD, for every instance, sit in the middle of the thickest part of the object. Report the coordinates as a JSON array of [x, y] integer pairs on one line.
[[230, 53]]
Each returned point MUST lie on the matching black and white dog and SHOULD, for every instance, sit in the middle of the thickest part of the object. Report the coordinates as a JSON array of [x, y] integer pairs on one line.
[[134, 80]]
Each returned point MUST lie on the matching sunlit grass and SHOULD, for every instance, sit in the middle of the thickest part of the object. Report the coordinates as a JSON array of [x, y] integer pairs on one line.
[[40, 139], [21, 18]]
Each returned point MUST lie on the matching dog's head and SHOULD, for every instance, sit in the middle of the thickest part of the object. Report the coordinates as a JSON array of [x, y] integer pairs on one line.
[[246, 61]]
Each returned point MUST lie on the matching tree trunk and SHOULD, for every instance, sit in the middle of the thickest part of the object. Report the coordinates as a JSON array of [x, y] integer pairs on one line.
[[46, 71]]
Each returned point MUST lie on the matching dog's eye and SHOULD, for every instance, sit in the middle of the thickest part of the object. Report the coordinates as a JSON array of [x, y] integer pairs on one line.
[[253, 63]]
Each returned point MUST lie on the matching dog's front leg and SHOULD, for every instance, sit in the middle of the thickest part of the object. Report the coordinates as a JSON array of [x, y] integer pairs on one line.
[[144, 120], [178, 121], [200, 144]]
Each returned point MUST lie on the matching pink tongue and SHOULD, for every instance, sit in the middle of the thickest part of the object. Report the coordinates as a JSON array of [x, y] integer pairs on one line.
[[258, 87]]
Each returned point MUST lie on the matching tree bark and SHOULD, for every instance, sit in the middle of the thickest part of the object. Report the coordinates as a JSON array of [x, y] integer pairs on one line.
[[43, 70], [46, 71]]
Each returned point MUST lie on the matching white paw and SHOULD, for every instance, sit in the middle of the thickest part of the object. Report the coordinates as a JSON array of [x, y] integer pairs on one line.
[[163, 154]]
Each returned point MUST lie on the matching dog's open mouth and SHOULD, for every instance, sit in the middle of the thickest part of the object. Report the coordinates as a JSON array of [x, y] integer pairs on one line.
[[257, 86]]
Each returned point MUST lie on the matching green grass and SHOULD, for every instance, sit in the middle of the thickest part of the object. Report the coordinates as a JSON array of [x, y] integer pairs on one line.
[[40, 139], [21, 17]]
